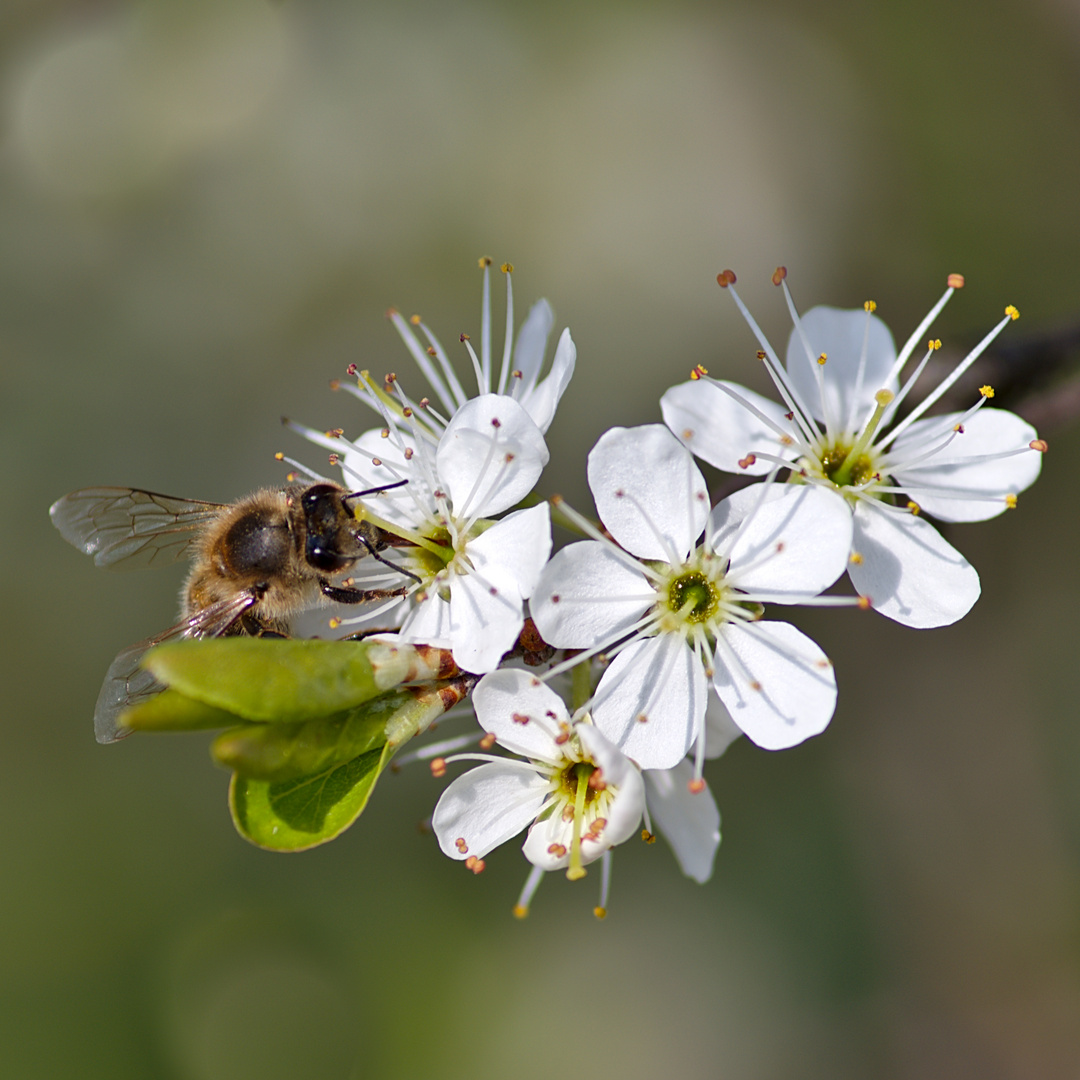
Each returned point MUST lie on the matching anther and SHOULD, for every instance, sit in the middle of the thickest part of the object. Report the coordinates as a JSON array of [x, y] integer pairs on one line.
[[1012, 313], [279, 456], [520, 910], [463, 338], [642, 718], [755, 685], [648, 837], [460, 844], [334, 623], [914, 507], [517, 374], [870, 305], [487, 742], [760, 354], [1010, 501], [696, 786], [955, 281], [424, 402], [415, 320], [484, 261], [746, 462], [600, 912], [507, 268], [558, 850], [390, 378], [1039, 444], [474, 864], [438, 770], [725, 278], [409, 451], [822, 358], [986, 391], [351, 370], [779, 274], [496, 422], [406, 412], [333, 459], [864, 603], [934, 344], [698, 371], [335, 384]]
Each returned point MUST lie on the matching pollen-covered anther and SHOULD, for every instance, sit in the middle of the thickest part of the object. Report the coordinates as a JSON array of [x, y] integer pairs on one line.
[[334, 623], [725, 278], [696, 786], [779, 274], [1012, 313], [779, 546], [959, 429], [333, 459], [1010, 501], [496, 422], [507, 268], [642, 718], [438, 770], [870, 306], [474, 864], [688, 434], [986, 391], [408, 455], [864, 603], [1039, 444], [463, 338], [487, 742], [756, 686], [955, 281], [698, 372], [351, 370], [517, 375], [279, 456], [424, 402], [600, 912], [555, 598], [914, 507], [760, 354], [335, 433], [934, 344], [292, 477], [509, 457], [460, 844], [597, 781], [822, 359], [648, 837], [492, 591], [746, 462], [335, 384], [558, 850], [390, 378], [484, 261], [521, 911], [406, 412], [564, 735]]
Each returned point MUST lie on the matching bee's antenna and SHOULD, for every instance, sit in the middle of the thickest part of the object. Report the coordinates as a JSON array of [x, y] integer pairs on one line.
[[373, 491]]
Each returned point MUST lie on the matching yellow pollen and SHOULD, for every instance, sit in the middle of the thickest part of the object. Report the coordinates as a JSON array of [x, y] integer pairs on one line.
[[279, 456], [1012, 313], [484, 261], [696, 787], [864, 603], [914, 507], [955, 281], [415, 320], [822, 358], [1010, 501], [698, 372], [760, 354], [507, 268], [334, 623], [600, 912], [870, 305], [856, 558], [934, 344], [986, 391], [1039, 444], [520, 910], [648, 837], [438, 768]]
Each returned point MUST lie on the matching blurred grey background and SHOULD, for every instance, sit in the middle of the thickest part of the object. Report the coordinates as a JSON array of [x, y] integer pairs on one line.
[[206, 208]]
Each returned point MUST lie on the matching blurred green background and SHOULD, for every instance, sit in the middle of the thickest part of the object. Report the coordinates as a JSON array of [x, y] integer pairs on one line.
[[206, 208]]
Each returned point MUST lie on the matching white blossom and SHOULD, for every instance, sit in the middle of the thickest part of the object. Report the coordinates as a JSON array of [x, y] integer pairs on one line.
[[837, 428], [678, 615]]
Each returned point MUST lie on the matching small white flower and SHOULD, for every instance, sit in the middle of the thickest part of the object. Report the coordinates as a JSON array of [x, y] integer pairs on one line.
[[841, 392], [576, 793], [677, 614]]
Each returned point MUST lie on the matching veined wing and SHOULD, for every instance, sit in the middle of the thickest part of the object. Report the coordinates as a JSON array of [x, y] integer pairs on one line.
[[127, 684], [125, 528]]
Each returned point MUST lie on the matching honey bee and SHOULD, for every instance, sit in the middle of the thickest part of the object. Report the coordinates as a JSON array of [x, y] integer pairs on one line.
[[255, 563]]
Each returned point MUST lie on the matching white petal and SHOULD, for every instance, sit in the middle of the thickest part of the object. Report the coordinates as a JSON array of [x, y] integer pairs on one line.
[[648, 491], [531, 342], [689, 822], [541, 400], [511, 554], [797, 541], [840, 334], [908, 570], [548, 842], [586, 595], [490, 456], [717, 429], [989, 431], [521, 712], [485, 622], [662, 680], [720, 730], [782, 690], [620, 774], [429, 623], [409, 505], [486, 806]]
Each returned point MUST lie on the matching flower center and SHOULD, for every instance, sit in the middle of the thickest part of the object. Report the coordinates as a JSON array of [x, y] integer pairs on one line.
[[844, 469], [694, 597]]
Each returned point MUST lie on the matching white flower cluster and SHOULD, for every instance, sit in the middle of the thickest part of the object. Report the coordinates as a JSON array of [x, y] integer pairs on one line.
[[668, 595]]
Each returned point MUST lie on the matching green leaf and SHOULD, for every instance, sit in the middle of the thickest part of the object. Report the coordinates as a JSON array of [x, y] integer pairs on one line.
[[285, 751], [294, 815], [172, 711], [271, 680]]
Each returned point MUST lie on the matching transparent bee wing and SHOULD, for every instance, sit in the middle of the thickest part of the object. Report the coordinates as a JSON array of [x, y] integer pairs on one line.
[[125, 528], [127, 684]]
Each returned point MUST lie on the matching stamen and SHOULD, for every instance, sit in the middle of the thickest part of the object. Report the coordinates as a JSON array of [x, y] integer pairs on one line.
[[532, 883], [484, 377], [508, 344], [816, 362], [451, 401], [477, 369], [600, 911], [955, 282]]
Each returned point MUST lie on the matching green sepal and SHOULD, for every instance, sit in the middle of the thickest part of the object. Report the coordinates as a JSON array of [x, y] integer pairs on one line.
[[294, 815], [267, 679], [287, 751], [172, 711]]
